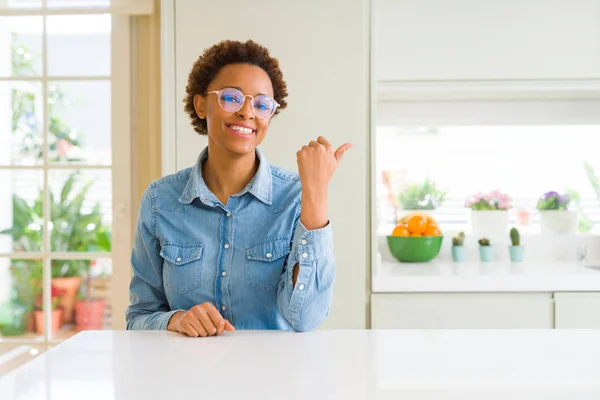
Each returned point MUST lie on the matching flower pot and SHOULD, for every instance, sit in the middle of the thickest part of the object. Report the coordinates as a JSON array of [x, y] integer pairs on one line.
[[486, 253], [516, 253], [89, 314], [491, 224], [459, 253], [558, 222], [68, 288], [57, 318]]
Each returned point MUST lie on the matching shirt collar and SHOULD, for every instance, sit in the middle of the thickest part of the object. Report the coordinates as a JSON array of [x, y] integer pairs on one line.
[[261, 184]]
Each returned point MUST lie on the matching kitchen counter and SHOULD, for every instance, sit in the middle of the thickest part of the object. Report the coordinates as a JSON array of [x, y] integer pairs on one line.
[[447, 276], [354, 364]]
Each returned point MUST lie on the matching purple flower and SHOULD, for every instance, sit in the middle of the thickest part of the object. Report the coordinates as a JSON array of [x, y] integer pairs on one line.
[[547, 195]]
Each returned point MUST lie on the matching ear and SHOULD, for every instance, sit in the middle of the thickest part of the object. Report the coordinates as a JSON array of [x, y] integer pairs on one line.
[[200, 106]]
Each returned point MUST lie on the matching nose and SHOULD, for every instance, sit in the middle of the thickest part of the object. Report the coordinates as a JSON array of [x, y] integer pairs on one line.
[[246, 111]]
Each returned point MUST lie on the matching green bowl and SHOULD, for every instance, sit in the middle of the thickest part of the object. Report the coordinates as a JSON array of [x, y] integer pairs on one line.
[[415, 249]]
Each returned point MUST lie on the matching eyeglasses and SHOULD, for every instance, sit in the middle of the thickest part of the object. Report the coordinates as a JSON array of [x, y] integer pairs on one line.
[[232, 100]]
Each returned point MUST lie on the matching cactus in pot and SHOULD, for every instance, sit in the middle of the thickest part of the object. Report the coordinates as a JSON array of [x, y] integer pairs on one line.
[[486, 250], [459, 251], [516, 250]]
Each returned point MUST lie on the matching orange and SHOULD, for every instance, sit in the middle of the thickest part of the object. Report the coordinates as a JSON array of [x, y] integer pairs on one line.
[[417, 224], [416, 234], [400, 230], [432, 230]]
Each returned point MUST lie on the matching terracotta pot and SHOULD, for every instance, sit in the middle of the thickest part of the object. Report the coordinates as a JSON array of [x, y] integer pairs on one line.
[[68, 288], [57, 316], [89, 314]]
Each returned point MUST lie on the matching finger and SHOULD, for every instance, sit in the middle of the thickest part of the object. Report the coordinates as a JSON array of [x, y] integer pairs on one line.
[[215, 316], [324, 141], [229, 327], [312, 143], [341, 150], [221, 328], [207, 323], [197, 326], [187, 329]]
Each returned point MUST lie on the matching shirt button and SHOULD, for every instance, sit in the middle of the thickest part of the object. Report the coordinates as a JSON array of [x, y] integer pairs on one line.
[[178, 259], [224, 273], [269, 255], [226, 245], [304, 241], [228, 214], [304, 255], [301, 287], [224, 308]]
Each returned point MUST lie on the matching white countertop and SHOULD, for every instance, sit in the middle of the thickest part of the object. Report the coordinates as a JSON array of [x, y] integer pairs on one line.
[[447, 276], [357, 364]]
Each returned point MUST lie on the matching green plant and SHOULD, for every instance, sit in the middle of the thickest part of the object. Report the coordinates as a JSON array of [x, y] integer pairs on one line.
[[515, 237], [553, 201], [484, 242], [459, 240], [74, 229], [424, 196]]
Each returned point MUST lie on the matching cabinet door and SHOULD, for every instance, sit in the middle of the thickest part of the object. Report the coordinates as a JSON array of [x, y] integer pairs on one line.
[[486, 40], [577, 310], [462, 311]]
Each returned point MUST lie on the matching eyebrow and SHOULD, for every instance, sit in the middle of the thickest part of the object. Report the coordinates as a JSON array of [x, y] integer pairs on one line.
[[240, 89]]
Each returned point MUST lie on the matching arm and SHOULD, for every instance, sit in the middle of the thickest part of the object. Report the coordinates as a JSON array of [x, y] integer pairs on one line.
[[306, 292], [148, 308]]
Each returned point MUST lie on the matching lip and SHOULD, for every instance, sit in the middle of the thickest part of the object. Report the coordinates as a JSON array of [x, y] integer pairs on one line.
[[239, 134]]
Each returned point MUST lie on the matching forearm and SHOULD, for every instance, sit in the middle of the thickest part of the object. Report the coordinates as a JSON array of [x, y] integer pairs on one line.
[[314, 206], [158, 320], [305, 295]]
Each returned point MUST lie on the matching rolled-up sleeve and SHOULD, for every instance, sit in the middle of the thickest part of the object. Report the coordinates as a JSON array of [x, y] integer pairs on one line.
[[306, 305], [148, 306]]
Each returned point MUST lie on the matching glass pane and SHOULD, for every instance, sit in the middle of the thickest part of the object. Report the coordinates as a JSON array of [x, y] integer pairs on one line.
[[80, 124], [78, 3], [21, 4], [21, 314], [78, 45], [81, 211], [21, 116], [524, 162], [15, 355], [21, 46], [21, 211], [85, 296]]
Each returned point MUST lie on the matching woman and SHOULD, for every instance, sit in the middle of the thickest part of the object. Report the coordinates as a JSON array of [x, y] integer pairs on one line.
[[235, 241]]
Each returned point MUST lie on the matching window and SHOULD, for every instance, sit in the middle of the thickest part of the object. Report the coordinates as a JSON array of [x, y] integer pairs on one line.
[[523, 149], [64, 125]]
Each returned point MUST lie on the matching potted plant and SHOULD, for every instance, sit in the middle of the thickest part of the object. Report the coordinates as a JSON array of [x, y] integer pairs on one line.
[[516, 250], [555, 216], [89, 310], [423, 196], [486, 250], [459, 252], [57, 313], [489, 213], [73, 230]]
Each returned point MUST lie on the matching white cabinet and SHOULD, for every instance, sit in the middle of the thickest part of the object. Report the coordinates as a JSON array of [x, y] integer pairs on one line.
[[577, 310], [486, 40], [462, 311]]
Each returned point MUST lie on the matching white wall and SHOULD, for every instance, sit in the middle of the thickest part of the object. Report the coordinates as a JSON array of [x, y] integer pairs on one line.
[[324, 54]]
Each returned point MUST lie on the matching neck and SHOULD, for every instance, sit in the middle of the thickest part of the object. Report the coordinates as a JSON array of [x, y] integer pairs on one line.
[[226, 175]]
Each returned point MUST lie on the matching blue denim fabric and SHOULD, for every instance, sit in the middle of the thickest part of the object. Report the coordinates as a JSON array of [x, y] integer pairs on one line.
[[189, 248]]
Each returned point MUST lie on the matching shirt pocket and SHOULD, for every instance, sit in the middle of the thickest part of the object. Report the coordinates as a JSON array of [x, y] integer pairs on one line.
[[265, 262], [182, 266]]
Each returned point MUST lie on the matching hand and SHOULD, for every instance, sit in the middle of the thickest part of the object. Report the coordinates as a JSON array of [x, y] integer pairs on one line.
[[201, 320], [317, 162]]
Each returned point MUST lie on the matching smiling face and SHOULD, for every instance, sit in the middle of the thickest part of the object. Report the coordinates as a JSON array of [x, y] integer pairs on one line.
[[235, 133]]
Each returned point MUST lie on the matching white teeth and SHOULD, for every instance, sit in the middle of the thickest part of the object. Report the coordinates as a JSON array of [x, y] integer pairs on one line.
[[245, 131]]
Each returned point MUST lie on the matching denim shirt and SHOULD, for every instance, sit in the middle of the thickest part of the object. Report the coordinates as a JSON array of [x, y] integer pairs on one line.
[[189, 248]]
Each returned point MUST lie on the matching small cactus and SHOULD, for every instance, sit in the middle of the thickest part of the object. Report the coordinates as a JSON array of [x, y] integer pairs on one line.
[[484, 242], [459, 240], [515, 237]]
